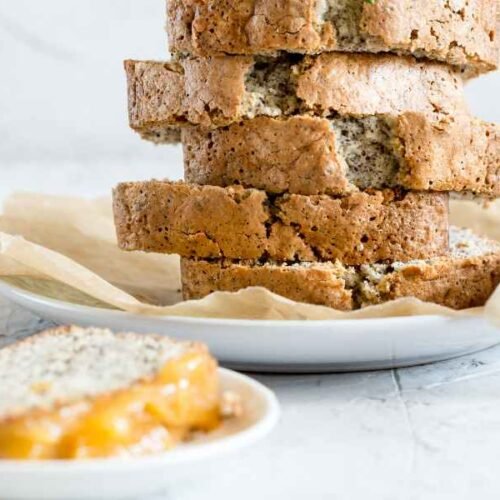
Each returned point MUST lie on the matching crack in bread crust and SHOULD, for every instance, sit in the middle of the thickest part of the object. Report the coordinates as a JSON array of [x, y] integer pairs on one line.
[[238, 223]]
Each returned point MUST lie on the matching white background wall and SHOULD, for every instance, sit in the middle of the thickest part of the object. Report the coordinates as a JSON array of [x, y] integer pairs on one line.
[[63, 101]]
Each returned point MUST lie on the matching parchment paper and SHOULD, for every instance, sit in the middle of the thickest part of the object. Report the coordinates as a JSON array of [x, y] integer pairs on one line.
[[65, 248]]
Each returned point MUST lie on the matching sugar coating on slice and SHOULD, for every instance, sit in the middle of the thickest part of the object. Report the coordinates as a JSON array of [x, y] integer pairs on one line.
[[62, 366]]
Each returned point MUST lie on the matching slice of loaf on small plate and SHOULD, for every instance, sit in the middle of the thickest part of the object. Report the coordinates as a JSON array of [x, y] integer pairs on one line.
[[89, 407]]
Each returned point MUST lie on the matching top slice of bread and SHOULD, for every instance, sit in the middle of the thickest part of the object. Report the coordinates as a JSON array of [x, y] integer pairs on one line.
[[67, 364], [463, 34], [218, 91]]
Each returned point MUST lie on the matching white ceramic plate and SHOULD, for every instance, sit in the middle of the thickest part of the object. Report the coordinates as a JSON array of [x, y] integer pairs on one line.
[[128, 478], [291, 346]]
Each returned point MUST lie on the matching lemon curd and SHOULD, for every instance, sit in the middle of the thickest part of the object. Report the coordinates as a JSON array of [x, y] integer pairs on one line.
[[150, 416]]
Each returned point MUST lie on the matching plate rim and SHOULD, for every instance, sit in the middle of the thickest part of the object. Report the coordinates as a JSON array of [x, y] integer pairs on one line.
[[177, 456], [12, 292]]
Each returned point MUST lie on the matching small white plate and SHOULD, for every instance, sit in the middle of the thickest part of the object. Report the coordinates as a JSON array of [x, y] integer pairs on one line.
[[130, 477], [291, 346]]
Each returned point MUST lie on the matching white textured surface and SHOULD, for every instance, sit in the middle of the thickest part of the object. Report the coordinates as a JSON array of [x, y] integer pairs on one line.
[[415, 434], [63, 103]]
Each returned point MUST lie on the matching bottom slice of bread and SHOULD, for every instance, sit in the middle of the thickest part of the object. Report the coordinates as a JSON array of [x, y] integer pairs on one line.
[[465, 278]]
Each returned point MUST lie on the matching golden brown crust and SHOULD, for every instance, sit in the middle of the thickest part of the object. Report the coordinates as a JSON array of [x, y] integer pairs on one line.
[[198, 91], [212, 92], [238, 223], [218, 27], [457, 154], [464, 35], [365, 84], [455, 283], [295, 155], [315, 285], [299, 155], [153, 91], [459, 283]]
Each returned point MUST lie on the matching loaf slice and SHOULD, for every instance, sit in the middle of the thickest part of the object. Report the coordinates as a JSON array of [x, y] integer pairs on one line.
[[310, 155], [80, 393], [219, 91], [461, 33], [238, 223], [465, 278]]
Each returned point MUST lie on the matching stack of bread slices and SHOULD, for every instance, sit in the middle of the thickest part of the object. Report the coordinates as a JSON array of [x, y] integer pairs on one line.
[[322, 140]]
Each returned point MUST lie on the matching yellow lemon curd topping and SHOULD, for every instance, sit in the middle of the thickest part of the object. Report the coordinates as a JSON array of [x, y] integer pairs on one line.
[[151, 416]]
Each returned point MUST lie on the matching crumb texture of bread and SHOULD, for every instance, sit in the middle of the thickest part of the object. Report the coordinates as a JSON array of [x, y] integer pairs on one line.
[[310, 155], [218, 91], [237, 223], [465, 278], [67, 364], [462, 33]]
